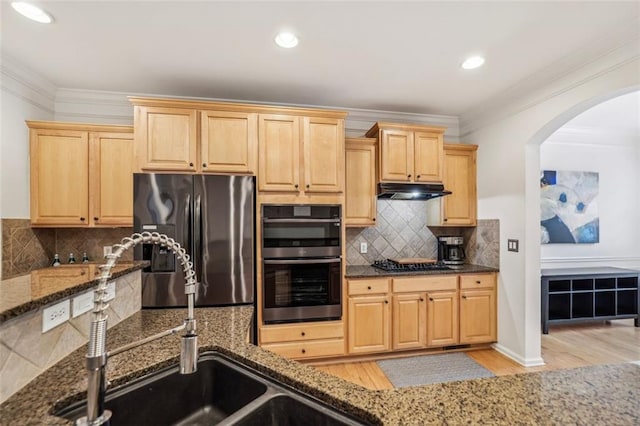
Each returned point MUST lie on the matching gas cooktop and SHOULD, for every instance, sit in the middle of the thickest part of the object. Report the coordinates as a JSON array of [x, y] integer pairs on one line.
[[391, 266]]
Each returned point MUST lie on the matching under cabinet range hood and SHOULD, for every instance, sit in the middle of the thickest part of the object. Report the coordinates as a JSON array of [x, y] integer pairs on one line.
[[411, 191]]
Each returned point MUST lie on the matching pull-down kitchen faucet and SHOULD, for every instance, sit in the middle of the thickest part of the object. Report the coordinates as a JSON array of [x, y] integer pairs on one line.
[[97, 355]]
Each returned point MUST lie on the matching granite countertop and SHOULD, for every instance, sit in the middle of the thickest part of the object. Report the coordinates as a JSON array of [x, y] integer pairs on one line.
[[607, 394], [367, 271], [43, 286]]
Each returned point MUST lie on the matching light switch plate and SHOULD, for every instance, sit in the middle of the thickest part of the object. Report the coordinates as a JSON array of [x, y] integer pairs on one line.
[[55, 315], [111, 291], [363, 247], [513, 245], [82, 304]]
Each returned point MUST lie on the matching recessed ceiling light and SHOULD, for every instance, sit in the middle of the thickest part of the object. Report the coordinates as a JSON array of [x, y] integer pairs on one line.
[[32, 12], [473, 62], [286, 39]]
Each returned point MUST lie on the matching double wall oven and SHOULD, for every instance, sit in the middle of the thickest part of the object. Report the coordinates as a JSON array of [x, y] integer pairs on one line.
[[302, 264]]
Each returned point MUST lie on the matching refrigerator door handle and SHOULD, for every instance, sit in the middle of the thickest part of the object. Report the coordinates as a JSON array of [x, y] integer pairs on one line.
[[197, 238], [187, 223]]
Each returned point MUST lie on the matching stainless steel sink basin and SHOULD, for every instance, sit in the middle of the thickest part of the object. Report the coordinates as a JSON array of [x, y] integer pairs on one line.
[[221, 392]]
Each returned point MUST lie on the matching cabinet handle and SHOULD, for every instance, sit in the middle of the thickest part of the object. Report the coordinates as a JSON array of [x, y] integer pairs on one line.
[[303, 351], [190, 164], [421, 299], [307, 186], [431, 299], [302, 334], [445, 219], [368, 287], [464, 297], [82, 219], [386, 301], [477, 282], [204, 164], [296, 186], [95, 219], [374, 219], [418, 176], [408, 176]]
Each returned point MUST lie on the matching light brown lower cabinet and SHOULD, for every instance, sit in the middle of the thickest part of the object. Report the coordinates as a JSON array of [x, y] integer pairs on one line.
[[305, 340], [420, 312]]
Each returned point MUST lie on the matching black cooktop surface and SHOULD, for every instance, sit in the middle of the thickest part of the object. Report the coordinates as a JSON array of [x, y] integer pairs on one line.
[[391, 266]]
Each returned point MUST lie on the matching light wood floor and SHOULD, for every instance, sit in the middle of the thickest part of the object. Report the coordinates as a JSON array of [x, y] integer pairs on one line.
[[564, 347]]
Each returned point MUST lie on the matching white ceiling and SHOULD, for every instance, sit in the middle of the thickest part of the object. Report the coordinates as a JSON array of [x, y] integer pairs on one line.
[[395, 56]]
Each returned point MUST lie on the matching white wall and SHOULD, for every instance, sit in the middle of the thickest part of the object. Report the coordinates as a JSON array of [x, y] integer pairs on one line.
[[618, 199], [508, 183]]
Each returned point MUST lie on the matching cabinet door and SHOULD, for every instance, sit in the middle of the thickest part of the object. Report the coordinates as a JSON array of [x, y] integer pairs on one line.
[[279, 153], [409, 321], [477, 316], [459, 208], [165, 138], [442, 318], [369, 325], [229, 141], [111, 178], [323, 141], [360, 183], [396, 155], [59, 177], [428, 159]]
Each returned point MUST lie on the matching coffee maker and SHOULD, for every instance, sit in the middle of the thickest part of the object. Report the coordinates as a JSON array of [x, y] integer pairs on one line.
[[451, 251]]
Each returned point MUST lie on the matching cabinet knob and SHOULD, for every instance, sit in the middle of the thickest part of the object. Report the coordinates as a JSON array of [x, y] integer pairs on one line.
[[418, 176], [307, 186], [204, 164], [464, 297], [302, 334], [421, 299], [431, 299], [296, 186], [368, 287], [96, 219], [82, 219], [445, 219], [386, 301], [477, 281], [190, 164], [374, 219], [408, 176], [303, 351]]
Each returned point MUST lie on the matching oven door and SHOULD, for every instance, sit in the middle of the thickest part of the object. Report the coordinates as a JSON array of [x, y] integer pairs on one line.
[[296, 290]]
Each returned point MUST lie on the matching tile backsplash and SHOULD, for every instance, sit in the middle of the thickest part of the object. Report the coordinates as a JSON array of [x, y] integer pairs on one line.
[[401, 231], [25, 249]]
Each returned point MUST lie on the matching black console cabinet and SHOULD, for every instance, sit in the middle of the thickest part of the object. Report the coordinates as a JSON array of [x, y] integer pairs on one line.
[[587, 294]]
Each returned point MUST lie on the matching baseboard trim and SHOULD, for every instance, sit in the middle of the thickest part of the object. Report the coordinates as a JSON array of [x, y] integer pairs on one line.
[[525, 362]]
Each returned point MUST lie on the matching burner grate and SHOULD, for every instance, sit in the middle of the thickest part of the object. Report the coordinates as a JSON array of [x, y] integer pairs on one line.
[[391, 266]]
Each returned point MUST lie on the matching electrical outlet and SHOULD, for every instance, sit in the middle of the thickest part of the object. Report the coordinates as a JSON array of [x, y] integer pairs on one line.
[[513, 245], [363, 247], [55, 315], [111, 291], [82, 304], [106, 250]]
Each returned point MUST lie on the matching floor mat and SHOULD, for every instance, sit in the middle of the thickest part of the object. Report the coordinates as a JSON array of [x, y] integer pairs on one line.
[[428, 369]]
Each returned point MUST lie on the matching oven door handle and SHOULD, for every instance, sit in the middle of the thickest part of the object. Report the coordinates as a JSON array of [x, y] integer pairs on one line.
[[299, 261], [306, 220]]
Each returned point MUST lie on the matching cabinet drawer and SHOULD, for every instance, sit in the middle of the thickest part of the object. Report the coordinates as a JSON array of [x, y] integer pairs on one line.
[[310, 349], [420, 284], [298, 332], [359, 287], [477, 281]]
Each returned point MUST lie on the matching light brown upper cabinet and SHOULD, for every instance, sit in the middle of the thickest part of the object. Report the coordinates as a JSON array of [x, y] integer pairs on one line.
[[360, 182], [186, 136], [81, 175], [459, 208], [300, 154], [409, 153]]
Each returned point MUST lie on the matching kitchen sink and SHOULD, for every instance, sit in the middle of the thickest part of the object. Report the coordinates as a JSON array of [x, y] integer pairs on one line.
[[220, 392]]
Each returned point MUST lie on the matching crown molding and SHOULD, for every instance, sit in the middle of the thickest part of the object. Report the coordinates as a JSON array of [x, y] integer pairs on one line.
[[26, 84], [596, 136], [599, 58]]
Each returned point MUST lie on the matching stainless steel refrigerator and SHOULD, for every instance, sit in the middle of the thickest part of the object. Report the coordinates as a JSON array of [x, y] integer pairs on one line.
[[212, 217]]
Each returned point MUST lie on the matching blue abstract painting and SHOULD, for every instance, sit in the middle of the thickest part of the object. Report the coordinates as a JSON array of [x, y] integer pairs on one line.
[[569, 207]]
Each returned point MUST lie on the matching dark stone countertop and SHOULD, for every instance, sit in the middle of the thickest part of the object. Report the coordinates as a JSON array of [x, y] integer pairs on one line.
[[366, 271], [41, 287], [608, 394]]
